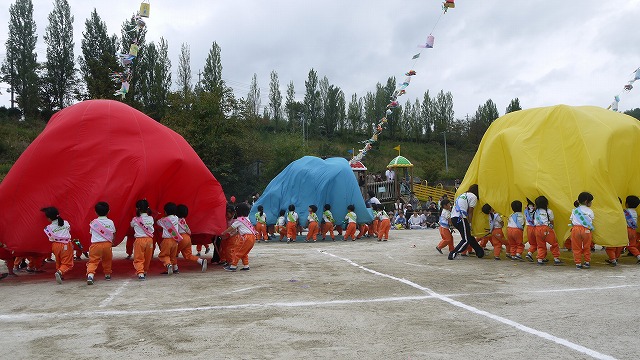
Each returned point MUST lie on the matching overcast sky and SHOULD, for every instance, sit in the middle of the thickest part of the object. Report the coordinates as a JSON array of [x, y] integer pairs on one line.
[[578, 52]]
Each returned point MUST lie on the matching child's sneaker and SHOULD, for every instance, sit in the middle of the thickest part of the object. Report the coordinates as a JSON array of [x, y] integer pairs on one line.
[[578, 266], [89, 280], [557, 262], [141, 277], [58, 276], [107, 277], [586, 265], [529, 257], [245, 268], [611, 262], [437, 248], [169, 269], [496, 258], [517, 257], [204, 265], [230, 268], [541, 262]]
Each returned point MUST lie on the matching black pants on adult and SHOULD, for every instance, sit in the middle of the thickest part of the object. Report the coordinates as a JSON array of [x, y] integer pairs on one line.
[[462, 224]]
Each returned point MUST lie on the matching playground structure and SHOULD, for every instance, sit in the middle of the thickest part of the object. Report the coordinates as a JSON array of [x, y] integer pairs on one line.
[[401, 187]]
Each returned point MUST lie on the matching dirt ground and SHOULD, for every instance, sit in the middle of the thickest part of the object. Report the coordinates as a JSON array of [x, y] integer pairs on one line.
[[347, 300]]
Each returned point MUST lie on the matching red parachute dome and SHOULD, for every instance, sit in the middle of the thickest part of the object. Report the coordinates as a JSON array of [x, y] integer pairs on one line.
[[104, 150]]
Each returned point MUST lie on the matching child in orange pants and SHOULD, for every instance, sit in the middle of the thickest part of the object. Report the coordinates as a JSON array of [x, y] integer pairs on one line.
[[281, 225], [170, 237], [496, 235], [581, 231], [384, 223], [102, 232], [261, 224], [445, 227], [531, 229], [292, 224], [142, 250], [630, 214], [543, 219], [59, 233], [184, 246], [515, 231], [313, 220], [351, 220], [328, 225], [243, 237]]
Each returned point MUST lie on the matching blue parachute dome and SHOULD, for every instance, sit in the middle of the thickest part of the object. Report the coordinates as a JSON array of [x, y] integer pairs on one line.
[[313, 181]]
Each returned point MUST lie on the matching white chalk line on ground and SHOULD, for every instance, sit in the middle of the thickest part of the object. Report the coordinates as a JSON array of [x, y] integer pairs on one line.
[[113, 295], [521, 327], [292, 304]]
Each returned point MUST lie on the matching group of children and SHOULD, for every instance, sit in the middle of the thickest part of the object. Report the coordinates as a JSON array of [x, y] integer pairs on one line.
[[288, 224], [539, 222]]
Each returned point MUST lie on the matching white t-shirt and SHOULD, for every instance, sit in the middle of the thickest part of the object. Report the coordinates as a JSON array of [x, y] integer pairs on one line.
[[165, 232], [351, 217], [634, 216], [241, 227], [327, 216], [462, 205], [107, 223], [382, 215], [147, 221], [444, 218], [281, 221], [292, 216], [543, 217], [495, 221], [586, 211], [62, 233], [391, 175], [414, 219], [374, 200], [261, 219], [516, 220]]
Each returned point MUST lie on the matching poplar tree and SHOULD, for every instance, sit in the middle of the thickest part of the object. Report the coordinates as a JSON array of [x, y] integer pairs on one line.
[[20, 64], [155, 79], [60, 78], [184, 70], [98, 59], [275, 99]]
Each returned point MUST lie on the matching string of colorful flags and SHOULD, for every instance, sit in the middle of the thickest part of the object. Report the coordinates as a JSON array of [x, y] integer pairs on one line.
[[628, 87], [123, 78], [400, 89]]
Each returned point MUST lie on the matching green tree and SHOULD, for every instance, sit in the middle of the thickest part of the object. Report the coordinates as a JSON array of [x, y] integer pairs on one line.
[[426, 115], [481, 121], [333, 110], [60, 79], [354, 114], [155, 79], [184, 70], [442, 112], [253, 102], [20, 64], [312, 104], [98, 58], [212, 73], [275, 100], [635, 113], [514, 105]]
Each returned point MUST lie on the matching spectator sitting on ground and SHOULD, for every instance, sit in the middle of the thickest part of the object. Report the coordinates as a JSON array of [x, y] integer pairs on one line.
[[415, 222], [400, 222]]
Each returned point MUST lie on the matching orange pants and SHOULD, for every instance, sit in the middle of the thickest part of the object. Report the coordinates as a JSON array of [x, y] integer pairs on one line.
[[514, 235], [496, 239], [282, 230], [142, 254], [364, 228], [64, 257], [373, 228], [225, 250], [100, 253], [242, 245], [633, 242], [351, 231], [292, 229], [531, 237], [447, 239], [184, 248], [328, 227], [262, 231], [313, 231], [544, 235], [168, 251], [614, 252], [581, 243], [383, 229]]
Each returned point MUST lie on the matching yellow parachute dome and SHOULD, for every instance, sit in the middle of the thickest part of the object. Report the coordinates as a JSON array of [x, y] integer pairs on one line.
[[558, 152]]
